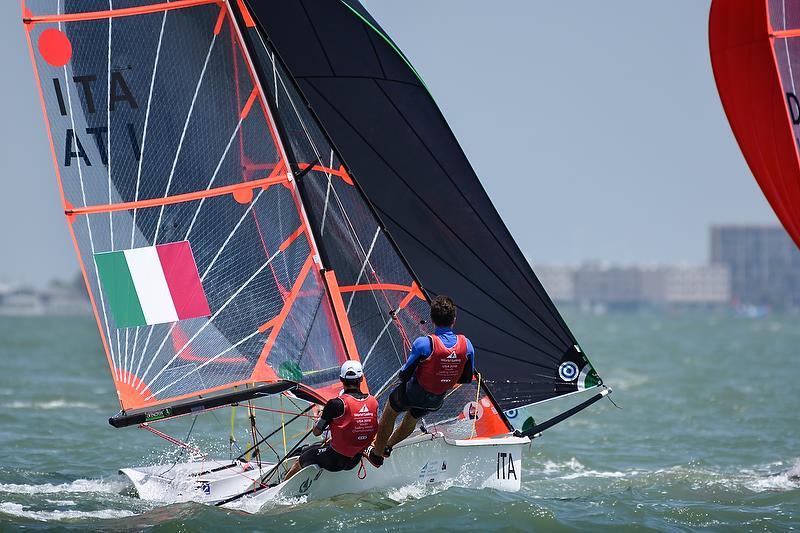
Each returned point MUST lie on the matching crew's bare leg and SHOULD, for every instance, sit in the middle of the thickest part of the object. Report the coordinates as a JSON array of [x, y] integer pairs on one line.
[[293, 470], [405, 429], [385, 427]]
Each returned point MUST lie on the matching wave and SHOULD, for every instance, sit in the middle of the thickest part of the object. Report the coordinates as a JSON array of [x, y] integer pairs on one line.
[[761, 478], [575, 469], [77, 486], [789, 479], [52, 404], [20, 510]]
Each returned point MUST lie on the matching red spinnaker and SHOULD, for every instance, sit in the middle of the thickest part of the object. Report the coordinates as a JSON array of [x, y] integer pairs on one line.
[[755, 53]]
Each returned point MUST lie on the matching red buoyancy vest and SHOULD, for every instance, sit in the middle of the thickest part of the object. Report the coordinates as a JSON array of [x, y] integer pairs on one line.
[[439, 372], [352, 432]]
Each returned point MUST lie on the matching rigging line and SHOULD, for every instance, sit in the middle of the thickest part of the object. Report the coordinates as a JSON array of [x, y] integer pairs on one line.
[[214, 175], [363, 266], [356, 240], [275, 79], [469, 204], [215, 315], [387, 384], [375, 342], [472, 282], [338, 77], [421, 200], [327, 197], [89, 229], [144, 352], [125, 362], [198, 367], [230, 236], [147, 122], [108, 133], [183, 133], [155, 355], [133, 353], [119, 351]]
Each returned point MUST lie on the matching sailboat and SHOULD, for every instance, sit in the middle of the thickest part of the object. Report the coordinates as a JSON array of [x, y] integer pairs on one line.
[[258, 191], [754, 54]]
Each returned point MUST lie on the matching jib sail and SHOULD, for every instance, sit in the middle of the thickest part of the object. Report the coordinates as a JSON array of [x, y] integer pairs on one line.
[[755, 53]]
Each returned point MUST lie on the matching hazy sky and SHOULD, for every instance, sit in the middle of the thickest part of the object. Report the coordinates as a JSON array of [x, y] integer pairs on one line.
[[595, 127]]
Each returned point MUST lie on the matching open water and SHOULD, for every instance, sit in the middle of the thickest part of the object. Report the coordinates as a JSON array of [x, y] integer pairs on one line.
[[708, 439]]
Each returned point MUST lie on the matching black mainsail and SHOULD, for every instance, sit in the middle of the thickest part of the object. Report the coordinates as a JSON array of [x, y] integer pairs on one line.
[[394, 139]]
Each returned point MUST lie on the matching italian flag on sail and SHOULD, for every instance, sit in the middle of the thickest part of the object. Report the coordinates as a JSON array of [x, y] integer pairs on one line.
[[152, 285]]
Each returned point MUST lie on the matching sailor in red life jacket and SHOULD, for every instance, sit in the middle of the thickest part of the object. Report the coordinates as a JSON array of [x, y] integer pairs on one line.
[[436, 364], [353, 422]]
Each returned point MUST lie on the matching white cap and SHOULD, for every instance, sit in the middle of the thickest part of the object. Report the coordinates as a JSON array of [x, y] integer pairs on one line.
[[351, 370]]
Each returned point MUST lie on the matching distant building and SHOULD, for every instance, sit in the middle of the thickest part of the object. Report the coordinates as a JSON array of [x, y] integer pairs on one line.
[[558, 281], [58, 298], [637, 286], [20, 301], [702, 285], [614, 286], [764, 263]]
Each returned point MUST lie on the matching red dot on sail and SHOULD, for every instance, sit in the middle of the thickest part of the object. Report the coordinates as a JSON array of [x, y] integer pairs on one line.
[[55, 47], [243, 196]]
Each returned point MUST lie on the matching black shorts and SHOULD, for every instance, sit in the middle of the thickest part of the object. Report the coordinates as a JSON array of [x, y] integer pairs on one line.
[[413, 398], [322, 455]]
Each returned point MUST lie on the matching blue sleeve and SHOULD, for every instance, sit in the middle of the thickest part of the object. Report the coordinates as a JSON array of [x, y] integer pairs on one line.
[[420, 350], [469, 368]]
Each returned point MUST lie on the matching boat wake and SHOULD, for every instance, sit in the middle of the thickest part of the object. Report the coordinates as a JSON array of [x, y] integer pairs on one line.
[[77, 486], [47, 405], [17, 509]]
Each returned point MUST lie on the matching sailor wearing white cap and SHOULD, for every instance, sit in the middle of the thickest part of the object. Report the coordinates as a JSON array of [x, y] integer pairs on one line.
[[353, 422]]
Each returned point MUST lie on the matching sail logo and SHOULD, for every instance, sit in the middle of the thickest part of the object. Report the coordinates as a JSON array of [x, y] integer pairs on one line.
[[152, 285], [568, 371]]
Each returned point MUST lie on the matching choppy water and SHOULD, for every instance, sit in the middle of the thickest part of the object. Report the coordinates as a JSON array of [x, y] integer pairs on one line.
[[708, 438]]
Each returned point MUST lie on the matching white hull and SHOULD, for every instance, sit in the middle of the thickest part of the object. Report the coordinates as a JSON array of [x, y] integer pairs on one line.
[[426, 460], [207, 481]]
